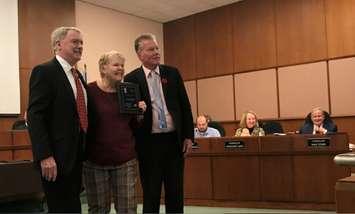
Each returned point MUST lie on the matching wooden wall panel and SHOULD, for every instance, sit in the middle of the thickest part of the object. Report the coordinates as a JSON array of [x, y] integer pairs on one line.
[[215, 98], [214, 52], [23, 154], [192, 92], [255, 96], [346, 124], [254, 35], [179, 46], [6, 123], [301, 88], [195, 169], [342, 87], [279, 166], [25, 74], [236, 178], [37, 19], [300, 27], [21, 137], [5, 140], [340, 27], [312, 180]]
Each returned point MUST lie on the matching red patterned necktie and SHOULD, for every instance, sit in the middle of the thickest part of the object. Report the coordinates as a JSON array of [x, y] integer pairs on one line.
[[80, 102]]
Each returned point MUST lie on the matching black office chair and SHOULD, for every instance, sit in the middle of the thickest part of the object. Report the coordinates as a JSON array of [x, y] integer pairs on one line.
[[218, 126], [271, 127], [19, 125]]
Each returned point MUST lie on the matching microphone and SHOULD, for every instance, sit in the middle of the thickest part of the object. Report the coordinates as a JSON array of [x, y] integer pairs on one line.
[[85, 74]]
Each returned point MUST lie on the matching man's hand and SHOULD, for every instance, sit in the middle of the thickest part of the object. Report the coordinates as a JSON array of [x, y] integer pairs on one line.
[[187, 147], [49, 169], [142, 105]]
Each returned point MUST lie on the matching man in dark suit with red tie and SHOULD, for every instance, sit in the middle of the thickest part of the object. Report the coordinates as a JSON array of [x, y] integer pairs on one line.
[[166, 132], [57, 121]]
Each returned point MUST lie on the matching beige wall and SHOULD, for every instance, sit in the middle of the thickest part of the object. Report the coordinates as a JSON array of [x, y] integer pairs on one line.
[[288, 57], [288, 92], [106, 29]]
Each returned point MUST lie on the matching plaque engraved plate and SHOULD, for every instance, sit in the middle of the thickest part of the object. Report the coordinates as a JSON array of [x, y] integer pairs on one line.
[[128, 97]]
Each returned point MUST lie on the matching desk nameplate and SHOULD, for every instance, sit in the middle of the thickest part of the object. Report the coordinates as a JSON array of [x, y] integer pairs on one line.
[[234, 145], [318, 142]]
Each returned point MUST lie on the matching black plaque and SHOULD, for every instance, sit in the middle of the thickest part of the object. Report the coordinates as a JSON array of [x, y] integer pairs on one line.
[[234, 145], [318, 142], [128, 97]]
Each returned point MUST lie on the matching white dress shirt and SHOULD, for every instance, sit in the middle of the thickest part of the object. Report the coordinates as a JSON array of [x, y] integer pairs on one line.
[[169, 119], [67, 70]]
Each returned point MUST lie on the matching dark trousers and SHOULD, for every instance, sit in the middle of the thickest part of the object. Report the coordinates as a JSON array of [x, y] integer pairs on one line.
[[161, 162], [63, 195]]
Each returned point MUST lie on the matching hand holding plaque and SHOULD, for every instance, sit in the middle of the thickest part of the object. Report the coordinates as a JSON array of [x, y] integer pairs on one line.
[[128, 96]]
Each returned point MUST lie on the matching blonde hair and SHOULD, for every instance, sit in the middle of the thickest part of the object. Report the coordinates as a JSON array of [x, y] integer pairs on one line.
[[243, 120], [59, 34], [105, 58]]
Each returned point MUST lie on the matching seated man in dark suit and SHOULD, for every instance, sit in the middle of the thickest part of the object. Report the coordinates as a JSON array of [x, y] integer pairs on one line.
[[318, 121]]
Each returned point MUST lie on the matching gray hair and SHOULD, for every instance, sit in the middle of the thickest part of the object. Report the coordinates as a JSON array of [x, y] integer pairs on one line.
[[141, 38], [318, 109], [59, 34]]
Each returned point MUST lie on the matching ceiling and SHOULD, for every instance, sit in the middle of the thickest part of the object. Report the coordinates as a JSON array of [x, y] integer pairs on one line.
[[161, 10]]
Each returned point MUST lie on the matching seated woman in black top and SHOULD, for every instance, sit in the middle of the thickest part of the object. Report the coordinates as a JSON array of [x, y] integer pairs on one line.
[[318, 121]]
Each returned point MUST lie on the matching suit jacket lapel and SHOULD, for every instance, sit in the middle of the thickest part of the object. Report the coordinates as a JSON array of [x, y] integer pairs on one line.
[[64, 79], [144, 90], [164, 81]]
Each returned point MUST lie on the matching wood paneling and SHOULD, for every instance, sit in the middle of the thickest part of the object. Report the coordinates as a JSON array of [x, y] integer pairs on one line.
[[302, 88], [345, 195], [346, 124], [300, 27], [23, 154], [179, 46], [214, 52], [21, 137], [254, 96], [215, 97], [236, 178], [6, 123], [312, 179], [37, 20], [24, 87], [279, 167], [254, 35], [5, 138], [340, 27], [18, 143], [199, 183], [342, 87], [6, 156], [192, 93]]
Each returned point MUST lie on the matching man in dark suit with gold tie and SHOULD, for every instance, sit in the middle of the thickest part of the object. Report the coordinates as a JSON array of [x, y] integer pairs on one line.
[[57, 121], [166, 133]]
